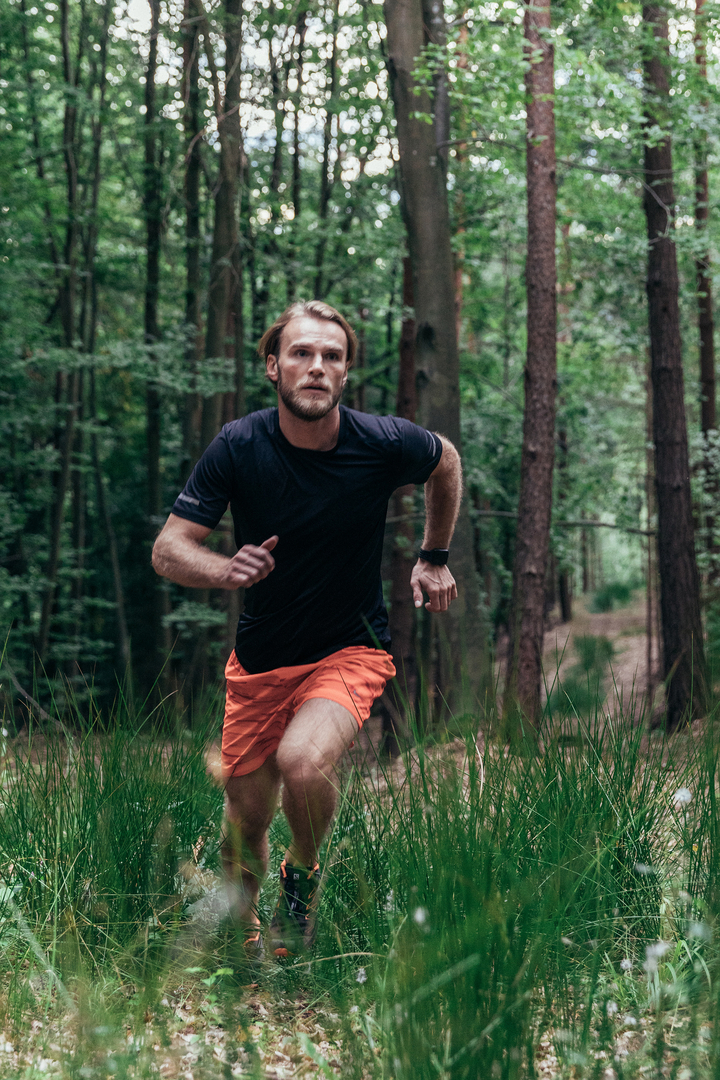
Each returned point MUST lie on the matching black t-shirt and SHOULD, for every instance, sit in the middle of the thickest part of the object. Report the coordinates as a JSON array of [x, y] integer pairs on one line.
[[328, 509]]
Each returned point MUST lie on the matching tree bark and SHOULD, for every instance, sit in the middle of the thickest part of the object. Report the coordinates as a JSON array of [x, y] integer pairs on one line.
[[399, 700], [58, 515], [564, 575], [326, 182], [300, 31], [684, 658], [522, 688], [225, 229], [193, 165], [463, 665], [123, 638], [706, 326]]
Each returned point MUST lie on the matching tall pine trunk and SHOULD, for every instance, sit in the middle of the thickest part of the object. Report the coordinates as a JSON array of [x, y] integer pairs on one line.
[[223, 267], [157, 597], [326, 180], [193, 128], [522, 688], [706, 324], [459, 634], [683, 652], [65, 433], [400, 697]]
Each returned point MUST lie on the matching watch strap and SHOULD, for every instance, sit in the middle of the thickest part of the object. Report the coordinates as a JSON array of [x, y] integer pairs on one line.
[[435, 556]]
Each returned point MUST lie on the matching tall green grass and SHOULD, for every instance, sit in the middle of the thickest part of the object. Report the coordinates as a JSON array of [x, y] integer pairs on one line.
[[478, 911]]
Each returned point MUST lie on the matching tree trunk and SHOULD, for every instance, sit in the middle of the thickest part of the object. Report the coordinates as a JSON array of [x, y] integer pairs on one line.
[[300, 31], [225, 229], [158, 599], [326, 182], [522, 688], [399, 700], [123, 638], [564, 577], [708, 405], [463, 657], [58, 515], [684, 658], [193, 165]]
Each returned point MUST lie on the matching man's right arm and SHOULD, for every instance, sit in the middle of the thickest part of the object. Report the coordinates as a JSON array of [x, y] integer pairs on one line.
[[180, 554]]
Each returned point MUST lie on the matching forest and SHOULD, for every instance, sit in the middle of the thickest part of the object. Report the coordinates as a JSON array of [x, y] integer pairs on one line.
[[515, 207]]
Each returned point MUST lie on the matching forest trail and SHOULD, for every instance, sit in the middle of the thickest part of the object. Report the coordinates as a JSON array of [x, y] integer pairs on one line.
[[625, 674]]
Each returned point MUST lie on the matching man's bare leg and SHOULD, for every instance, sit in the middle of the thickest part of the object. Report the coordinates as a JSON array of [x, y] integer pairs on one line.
[[250, 803], [313, 743]]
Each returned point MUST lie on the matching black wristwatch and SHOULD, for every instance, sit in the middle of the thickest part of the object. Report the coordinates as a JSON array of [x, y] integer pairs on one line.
[[437, 556]]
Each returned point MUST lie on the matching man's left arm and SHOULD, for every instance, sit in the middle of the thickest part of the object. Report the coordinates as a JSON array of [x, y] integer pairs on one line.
[[443, 492]]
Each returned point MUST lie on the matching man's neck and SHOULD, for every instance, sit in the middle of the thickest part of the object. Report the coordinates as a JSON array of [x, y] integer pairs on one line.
[[310, 434]]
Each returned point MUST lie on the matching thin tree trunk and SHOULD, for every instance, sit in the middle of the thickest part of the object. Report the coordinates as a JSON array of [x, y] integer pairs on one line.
[[58, 515], [463, 657], [706, 326], [153, 227], [651, 544], [300, 30], [158, 598], [564, 576], [225, 228], [326, 183], [684, 658], [37, 146], [399, 700], [193, 127], [122, 630], [522, 689], [72, 79]]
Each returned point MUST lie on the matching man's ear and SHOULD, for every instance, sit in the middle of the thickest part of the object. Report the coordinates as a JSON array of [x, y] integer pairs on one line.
[[271, 368]]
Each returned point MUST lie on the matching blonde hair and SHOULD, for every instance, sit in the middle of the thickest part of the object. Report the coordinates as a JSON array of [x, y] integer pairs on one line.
[[269, 344]]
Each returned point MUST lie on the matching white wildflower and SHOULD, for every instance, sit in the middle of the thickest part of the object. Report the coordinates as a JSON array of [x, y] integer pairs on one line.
[[420, 915], [643, 869], [5, 733], [626, 964], [653, 954], [700, 930], [611, 1008], [682, 797], [629, 1021], [361, 975]]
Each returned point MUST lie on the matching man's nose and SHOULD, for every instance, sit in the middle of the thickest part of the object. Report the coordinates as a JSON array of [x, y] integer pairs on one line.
[[316, 364]]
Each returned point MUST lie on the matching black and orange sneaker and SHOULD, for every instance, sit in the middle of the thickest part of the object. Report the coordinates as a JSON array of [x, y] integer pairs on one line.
[[292, 930]]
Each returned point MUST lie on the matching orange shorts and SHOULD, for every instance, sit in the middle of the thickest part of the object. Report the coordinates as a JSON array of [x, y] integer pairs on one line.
[[259, 707]]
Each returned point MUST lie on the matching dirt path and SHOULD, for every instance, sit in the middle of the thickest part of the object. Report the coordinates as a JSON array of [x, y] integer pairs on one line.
[[624, 628]]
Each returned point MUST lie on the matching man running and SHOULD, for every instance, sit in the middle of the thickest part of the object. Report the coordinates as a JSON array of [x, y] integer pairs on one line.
[[308, 485]]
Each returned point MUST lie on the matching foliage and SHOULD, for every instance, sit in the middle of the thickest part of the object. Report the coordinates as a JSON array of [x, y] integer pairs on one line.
[[354, 252], [611, 594]]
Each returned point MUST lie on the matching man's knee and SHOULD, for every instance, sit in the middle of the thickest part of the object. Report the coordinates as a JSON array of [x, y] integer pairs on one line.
[[303, 766]]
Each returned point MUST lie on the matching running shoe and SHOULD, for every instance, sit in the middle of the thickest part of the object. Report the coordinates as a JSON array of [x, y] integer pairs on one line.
[[292, 930]]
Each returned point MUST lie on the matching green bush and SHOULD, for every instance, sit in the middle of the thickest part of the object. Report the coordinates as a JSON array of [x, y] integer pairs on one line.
[[613, 594]]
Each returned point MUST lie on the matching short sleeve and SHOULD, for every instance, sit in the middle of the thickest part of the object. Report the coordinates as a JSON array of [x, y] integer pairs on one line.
[[420, 452], [206, 495]]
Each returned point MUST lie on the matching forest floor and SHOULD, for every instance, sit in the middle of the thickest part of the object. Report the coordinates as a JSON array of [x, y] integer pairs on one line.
[[624, 627]]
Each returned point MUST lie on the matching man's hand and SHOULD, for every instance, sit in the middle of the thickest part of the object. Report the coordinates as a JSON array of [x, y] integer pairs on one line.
[[249, 565], [438, 583]]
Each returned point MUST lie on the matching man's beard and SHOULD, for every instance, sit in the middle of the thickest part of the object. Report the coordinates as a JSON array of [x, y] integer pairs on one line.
[[312, 409]]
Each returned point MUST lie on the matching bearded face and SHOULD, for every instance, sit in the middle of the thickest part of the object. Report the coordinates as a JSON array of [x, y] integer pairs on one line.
[[310, 371], [311, 400]]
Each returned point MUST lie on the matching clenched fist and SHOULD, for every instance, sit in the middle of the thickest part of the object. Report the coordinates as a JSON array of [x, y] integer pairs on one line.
[[251, 564], [438, 583]]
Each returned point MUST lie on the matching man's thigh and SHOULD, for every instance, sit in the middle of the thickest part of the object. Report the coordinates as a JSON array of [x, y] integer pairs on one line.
[[318, 735], [251, 800]]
